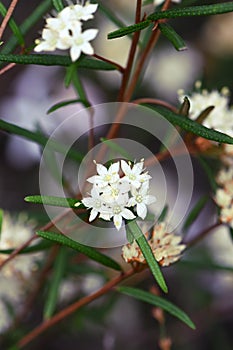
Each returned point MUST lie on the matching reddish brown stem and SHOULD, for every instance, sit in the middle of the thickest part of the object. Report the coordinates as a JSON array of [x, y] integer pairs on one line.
[[156, 102], [72, 308], [6, 68], [7, 17], [119, 67], [202, 234], [132, 52]]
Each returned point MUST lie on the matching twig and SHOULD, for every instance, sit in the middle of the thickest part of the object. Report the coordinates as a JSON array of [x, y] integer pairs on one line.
[[132, 52], [119, 67], [202, 234], [6, 68], [7, 17], [155, 102], [72, 308], [18, 250]]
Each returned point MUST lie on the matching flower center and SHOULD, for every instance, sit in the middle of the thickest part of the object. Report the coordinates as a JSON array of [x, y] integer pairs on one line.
[[117, 209], [132, 177], [114, 192], [139, 198], [79, 41], [107, 177], [97, 203]]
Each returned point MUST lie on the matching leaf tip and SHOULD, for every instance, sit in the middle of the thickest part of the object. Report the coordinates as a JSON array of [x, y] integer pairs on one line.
[[182, 48]]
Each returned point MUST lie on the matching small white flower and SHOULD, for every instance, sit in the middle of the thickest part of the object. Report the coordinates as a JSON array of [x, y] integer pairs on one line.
[[133, 175], [114, 192], [105, 176], [85, 12], [111, 195], [226, 215], [95, 203], [166, 247], [222, 198], [141, 199], [221, 117], [65, 31], [119, 212], [78, 41], [63, 21], [48, 42], [224, 176], [16, 276]]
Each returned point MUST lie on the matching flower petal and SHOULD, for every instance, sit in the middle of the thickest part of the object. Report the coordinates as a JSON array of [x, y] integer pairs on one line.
[[89, 34], [127, 214], [75, 53], [141, 210], [117, 219], [93, 214]]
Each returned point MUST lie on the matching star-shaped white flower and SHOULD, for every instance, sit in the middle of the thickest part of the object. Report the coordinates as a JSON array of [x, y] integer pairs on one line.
[[95, 203], [84, 13], [119, 212], [141, 199], [78, 41], [48, 42], [133, 175], [105, 176], [113, 193], [64, 20]]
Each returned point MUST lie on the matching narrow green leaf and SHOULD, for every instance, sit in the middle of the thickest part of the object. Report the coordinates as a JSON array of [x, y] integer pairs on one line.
[[15, 29], [209, 172], [194, 213], [172, 36], [159, 302], [203, 10], [29, 22], [163, 214], [58, 5], [117, 148], [203, 265], [1, 219], [54, 201], [191, 126], [129, 235], [54, 283], [231, 233], [40, 139], [66, 103], [148, 254], [28, 250], [78, 85], [129, 30], [110, 15], [57, 60], [70, 71], [92, 253]]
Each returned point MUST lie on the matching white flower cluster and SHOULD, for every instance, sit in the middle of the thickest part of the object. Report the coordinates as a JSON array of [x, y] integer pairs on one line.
[[224, 195], [158, 2], [65, 31], [16, 275], [112, 195], [221, 117], [165, 246]]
